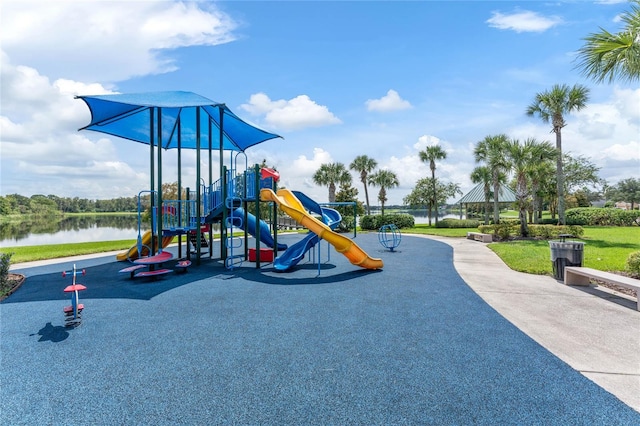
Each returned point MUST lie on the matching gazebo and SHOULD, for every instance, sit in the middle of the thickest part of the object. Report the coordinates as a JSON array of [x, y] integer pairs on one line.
[[477, 196]]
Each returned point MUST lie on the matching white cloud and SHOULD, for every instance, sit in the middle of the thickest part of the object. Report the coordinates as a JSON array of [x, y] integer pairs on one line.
[[49, 51], [425, 141], [620, 152], [390, 102], [523, 21], [294, 114], [41, 148], [100, 41], [611, 1]]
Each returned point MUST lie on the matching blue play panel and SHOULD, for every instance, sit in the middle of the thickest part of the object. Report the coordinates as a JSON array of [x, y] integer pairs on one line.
[[411, 344]]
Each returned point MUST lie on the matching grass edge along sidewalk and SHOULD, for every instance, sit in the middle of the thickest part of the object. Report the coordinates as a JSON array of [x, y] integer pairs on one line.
[[606, 249]]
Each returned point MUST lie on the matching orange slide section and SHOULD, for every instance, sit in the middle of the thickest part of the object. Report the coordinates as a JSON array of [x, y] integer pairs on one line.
[[290, 204], [132, 253]]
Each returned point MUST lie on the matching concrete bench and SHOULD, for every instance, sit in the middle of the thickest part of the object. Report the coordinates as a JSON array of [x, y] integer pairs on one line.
[[479, 236], [575, 275]]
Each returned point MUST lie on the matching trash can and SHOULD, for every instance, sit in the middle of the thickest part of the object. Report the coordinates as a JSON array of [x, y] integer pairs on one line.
[[565, 253]]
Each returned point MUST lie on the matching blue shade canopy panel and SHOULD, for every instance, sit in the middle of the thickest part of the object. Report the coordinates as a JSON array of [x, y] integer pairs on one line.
[[134, 116]]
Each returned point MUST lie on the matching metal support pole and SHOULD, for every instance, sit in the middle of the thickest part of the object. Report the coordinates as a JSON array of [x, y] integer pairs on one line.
[[160, 211]]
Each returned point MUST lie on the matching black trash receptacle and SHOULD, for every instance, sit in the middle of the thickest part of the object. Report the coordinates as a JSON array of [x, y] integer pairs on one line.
[[569, 253]]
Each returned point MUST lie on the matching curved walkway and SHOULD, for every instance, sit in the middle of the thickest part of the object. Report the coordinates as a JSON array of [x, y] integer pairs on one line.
[[412, 344], [595, 331]]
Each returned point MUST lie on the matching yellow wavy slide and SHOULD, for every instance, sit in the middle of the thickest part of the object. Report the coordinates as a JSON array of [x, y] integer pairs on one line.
[[132, 253], [290, 204]]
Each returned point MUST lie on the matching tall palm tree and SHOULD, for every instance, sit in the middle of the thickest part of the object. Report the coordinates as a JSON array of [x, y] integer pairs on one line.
[[523, 159], [551, 106], [482, 174], [385, 179], [607, 56], [364, 165], [490, 150], [331, 174], [540, 188], [431, 154]]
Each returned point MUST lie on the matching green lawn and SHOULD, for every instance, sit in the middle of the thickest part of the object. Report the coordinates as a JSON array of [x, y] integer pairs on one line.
[[52, 251], [606, 248]]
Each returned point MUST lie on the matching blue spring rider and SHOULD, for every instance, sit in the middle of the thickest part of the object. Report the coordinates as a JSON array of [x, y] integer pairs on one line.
[[389, 236]]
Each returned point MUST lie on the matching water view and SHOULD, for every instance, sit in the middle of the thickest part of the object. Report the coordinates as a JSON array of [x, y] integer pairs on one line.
[[75, 229], [80, 229]]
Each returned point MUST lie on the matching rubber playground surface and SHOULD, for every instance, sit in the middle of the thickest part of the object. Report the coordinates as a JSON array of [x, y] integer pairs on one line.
[[410, 344]]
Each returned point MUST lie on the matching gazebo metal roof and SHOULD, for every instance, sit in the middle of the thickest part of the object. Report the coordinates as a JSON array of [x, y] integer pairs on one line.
[[476, 195]]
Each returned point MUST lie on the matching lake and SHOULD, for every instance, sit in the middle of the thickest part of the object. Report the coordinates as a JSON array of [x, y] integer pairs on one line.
[[81, 229], [73, 229]]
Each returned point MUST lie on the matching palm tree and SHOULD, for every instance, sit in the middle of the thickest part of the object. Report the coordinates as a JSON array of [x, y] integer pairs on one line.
[[384, 179], [331, 174], [552, 106], [491, 151], [607, 56], [431, 154], [540, 188], [482, 174], [524, 159], [364, 165]]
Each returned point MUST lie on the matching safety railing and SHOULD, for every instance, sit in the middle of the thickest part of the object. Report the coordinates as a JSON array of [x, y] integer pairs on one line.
[[179, 215]]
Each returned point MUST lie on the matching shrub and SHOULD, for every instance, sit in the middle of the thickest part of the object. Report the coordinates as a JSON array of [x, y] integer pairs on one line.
[[346, 224], [5, 263], [505, 229], [374, 222], [457, 223], [633, 263], [547, 221], [595, 216]]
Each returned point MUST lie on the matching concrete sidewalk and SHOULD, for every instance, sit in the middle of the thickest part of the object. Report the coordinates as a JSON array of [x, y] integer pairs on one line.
[[595, 331]]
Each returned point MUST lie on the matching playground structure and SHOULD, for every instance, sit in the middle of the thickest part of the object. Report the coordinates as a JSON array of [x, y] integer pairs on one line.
[[73, 312], [184, 120], [224, 202], [389, 236], [291, 205]]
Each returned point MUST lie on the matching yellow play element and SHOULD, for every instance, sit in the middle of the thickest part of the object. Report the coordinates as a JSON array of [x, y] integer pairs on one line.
[[132, 253], [290, 204]]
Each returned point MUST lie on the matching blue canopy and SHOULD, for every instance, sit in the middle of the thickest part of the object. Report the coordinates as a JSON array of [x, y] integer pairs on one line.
[[134, 116]]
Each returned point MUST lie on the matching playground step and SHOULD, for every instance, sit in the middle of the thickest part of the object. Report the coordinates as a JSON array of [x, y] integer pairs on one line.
[[131, 269], [182, 265], [154, 273], [193, 239]]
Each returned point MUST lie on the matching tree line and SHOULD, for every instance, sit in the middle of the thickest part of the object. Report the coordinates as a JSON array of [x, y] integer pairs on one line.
[[16, 204]]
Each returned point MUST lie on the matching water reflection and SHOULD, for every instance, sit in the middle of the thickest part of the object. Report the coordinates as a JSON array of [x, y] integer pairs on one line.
[[86, 228], [71, 229]]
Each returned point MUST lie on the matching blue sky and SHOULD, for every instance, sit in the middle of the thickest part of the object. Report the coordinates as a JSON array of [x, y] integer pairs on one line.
[[335, 79]]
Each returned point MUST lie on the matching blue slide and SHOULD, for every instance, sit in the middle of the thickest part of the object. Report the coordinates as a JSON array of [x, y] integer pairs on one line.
[[294, 254], [265, 232]]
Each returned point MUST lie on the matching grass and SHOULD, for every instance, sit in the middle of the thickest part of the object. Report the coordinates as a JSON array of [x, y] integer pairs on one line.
[[605, 249], [424, 229], [53, 251]]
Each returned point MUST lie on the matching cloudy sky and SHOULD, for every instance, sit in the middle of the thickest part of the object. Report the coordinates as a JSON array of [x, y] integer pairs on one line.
[[335, 79]]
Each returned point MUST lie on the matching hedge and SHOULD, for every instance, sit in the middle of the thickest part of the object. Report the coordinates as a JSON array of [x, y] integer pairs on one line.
[[457, 223], [504, 230], [375, 222], [594, 216]]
